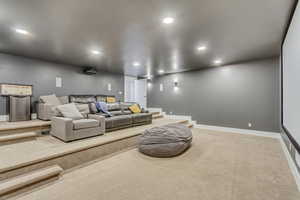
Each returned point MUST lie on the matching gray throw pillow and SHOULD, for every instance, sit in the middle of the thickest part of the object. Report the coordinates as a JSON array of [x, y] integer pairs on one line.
[[56, 112], [83, 108], [50, 99], [93, 108], [69, 111]]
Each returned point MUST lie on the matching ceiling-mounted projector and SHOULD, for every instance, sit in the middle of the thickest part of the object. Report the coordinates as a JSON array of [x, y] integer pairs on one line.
[[89, 70]]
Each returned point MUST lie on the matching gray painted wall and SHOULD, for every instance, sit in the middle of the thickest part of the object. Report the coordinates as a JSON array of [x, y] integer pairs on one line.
[[229, 96], [41, 75]]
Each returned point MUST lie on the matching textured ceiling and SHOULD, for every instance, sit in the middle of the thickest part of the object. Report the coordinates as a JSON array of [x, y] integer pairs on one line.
[[126, 31]]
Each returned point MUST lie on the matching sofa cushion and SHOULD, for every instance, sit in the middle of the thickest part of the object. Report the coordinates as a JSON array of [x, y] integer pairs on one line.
[[141, 117], [101, 98], [103, 114], [116, 112], [127, 112], [50, 99], [113, 106], [69, 111], [126, 105], [64, 99], [118, 121], [85, 123], [82, 99]]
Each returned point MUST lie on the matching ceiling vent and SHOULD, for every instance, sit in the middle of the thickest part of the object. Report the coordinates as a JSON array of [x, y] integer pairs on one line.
[[89, 70]]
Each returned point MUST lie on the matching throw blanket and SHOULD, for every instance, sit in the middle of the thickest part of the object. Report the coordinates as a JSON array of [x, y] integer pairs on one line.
[[102, 107]]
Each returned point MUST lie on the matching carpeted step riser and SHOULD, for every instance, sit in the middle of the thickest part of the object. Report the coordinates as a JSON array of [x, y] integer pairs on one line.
[[15, 138], [28, 181]]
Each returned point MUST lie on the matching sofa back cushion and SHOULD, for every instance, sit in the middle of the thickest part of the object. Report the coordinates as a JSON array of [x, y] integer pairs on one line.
[[101, 98], [70, 111], [64, 99], [113, 106], [82, 98], [126, 105], [116, 112], [50, 99], [93, 108]]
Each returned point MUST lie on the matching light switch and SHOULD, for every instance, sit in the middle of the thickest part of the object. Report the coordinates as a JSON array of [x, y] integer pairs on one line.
[[161, 87], [58, 82]]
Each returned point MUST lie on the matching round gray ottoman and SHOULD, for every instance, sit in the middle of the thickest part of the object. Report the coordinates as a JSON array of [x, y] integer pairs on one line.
[[165, 141]]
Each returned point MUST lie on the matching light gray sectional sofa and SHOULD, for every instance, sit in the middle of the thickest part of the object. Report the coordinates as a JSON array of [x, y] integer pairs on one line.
[[69, 129], [122, 116]]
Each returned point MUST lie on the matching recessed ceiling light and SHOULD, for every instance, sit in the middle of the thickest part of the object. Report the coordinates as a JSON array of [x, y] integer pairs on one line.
[[136, 64], [22, 31], [161, 71], [218, 61], [95, 52], [168, 20], [201, 48]]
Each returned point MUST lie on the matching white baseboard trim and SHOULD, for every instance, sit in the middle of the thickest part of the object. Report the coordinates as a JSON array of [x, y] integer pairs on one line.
[[225, 129], [4, 118], [154, 109], [182, 117], [291, 163], [240, 131]]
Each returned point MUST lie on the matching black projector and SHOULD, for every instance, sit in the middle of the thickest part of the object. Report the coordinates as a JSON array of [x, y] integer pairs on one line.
[[89, 70]]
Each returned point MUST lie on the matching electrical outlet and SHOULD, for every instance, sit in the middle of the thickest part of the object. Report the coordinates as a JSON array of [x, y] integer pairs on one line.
[[33, 116], [249, 125]]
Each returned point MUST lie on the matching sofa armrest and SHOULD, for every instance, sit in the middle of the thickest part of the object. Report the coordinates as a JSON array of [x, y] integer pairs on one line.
[[45, 111], [100, 118], [62, 128]]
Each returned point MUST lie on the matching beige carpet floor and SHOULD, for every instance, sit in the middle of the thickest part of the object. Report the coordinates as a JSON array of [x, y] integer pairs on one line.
[[218, 166]]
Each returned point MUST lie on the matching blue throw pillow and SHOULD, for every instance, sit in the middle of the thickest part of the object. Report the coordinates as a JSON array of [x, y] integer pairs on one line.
[[102, 107]]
